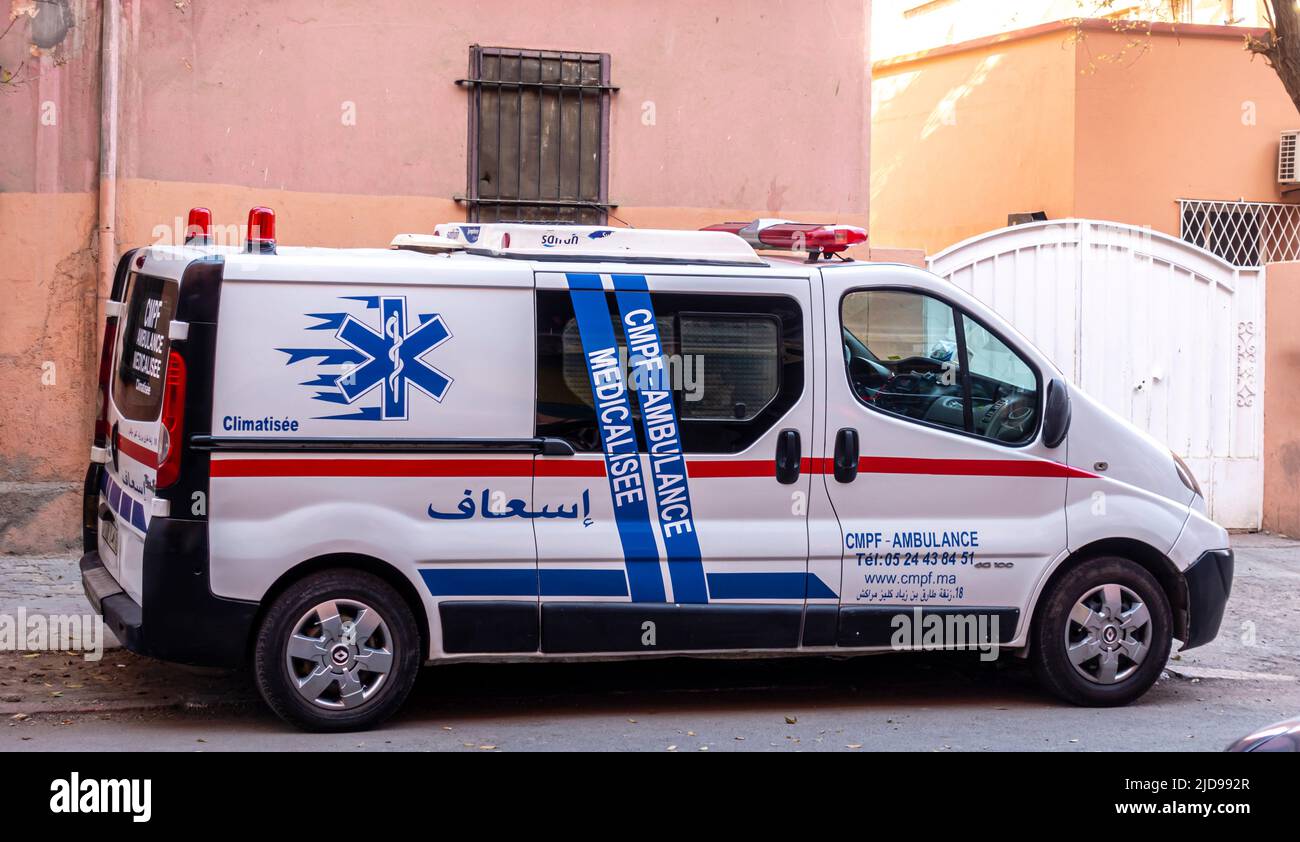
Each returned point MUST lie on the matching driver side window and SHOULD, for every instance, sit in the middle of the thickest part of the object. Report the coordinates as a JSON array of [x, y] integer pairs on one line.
[[901, 352], [907, 354]]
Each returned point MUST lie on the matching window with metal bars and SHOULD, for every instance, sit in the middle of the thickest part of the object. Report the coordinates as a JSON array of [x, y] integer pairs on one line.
[[1242, 233], [538, 136]]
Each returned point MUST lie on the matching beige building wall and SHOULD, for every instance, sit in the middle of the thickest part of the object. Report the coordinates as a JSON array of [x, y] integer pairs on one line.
[[1188, 114], [908, 26], [1085, 122], [1282, 401], [962, 137]]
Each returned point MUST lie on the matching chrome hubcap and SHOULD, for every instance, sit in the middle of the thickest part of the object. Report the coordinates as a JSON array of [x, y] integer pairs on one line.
[[1108, 634], [340, 654]]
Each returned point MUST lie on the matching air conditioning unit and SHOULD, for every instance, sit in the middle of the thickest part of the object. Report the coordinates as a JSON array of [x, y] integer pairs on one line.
[[1286, 158]]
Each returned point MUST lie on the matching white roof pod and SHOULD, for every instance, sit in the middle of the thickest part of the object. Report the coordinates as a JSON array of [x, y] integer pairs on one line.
[[582, 242]]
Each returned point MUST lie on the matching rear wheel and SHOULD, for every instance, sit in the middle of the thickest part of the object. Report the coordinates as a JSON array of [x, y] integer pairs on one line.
[[1103, 633], [337, 651]]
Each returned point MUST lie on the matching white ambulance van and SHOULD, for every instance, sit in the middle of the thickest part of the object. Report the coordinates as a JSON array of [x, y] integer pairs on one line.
[[517, 442]]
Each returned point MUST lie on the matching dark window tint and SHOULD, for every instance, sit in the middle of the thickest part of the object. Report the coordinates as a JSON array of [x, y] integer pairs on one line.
[[734, 363], [142, 359], [738, 364], [901, 351], [539, 124], [914, 356]]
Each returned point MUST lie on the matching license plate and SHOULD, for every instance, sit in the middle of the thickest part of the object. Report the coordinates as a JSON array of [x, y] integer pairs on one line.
[[108, 529]]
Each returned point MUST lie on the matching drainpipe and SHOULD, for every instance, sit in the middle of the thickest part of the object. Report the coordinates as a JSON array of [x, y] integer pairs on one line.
[[108, 47]]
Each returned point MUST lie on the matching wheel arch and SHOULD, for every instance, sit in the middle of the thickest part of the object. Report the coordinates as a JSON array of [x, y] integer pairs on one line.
[[1148, 557], [347, 561]]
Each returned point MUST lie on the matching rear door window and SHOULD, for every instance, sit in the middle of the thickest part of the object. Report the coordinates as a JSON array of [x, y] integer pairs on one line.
[[734, 365], [142, 362]]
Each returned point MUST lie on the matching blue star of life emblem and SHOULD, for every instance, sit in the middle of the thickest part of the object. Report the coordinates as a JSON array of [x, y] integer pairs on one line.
[[388, 360], [393, 358]]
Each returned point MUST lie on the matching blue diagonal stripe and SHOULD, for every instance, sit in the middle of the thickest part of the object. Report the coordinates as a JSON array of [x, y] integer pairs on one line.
[[618, 438], [667, 463]]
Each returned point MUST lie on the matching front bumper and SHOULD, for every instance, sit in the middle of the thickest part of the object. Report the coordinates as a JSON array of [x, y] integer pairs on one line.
[[1209, 582]]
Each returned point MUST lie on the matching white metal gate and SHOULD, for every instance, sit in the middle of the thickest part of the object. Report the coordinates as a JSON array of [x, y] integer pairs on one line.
[[1164, 333]]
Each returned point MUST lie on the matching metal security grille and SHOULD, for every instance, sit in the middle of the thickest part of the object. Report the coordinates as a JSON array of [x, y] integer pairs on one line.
[[1286, 170], [538, 136], [1242, 233]]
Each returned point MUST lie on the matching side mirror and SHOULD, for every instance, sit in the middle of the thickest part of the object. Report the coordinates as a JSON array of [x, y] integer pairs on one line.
[[1056, 416]]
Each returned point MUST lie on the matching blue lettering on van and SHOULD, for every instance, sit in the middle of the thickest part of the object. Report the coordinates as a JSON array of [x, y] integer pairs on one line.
[[515, 507], [649, 371], [618, 438], [384, 363], [550, 240], [268, 424]]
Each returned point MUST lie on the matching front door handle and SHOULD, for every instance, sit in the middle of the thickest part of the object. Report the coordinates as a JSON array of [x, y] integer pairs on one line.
[[846, 455], [788, 456]]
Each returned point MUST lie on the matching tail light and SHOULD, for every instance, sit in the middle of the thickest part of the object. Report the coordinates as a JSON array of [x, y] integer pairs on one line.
[[261, 231], [173, 422], [105, 375]]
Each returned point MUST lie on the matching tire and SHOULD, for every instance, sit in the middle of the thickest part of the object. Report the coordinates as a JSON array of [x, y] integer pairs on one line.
[[313, 666], [1085, 651]]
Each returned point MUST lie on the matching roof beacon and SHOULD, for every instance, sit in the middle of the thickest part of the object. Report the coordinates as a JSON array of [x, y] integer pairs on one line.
[[816, 240], [261, 231], [198, 228]]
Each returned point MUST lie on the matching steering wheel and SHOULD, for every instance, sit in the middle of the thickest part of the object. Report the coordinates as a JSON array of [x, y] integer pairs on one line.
[[1010, 419], [917, 365], [867, 376]]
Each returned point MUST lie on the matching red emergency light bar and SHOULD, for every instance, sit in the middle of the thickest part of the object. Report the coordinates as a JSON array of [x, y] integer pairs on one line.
[[795, 236], [198, 229], [261, 231]]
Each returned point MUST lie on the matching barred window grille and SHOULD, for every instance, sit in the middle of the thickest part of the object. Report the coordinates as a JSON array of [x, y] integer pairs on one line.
[[1242, 233], [538, 136]]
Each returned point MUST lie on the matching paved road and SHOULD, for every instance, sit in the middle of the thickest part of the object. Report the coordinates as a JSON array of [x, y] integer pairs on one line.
[[927, 703], [896, 702]]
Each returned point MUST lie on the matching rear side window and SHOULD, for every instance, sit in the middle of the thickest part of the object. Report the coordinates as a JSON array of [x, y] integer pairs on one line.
[[743, 373], [142, 361], [734, 363]]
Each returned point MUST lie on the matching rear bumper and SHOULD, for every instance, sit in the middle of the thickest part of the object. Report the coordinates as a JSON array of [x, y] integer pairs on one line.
[[181, 620], [1209, 582], [121, 613]]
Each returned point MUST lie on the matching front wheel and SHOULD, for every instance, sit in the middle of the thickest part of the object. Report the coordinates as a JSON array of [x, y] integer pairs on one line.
[[1103, 633], [337, 651]]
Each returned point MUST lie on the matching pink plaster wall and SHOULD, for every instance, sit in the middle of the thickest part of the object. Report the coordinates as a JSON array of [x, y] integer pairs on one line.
[[753, 107], [759, 108]]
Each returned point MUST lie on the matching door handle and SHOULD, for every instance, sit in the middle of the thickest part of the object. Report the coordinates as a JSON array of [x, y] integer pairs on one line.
[[846, 455], [788, 456]]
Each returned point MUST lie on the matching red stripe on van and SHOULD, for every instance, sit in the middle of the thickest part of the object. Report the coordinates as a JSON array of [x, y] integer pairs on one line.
[[715, 468], [966, 467], [696, 469], [722, 468], [567, 467], [306, 467], [138, 452]]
